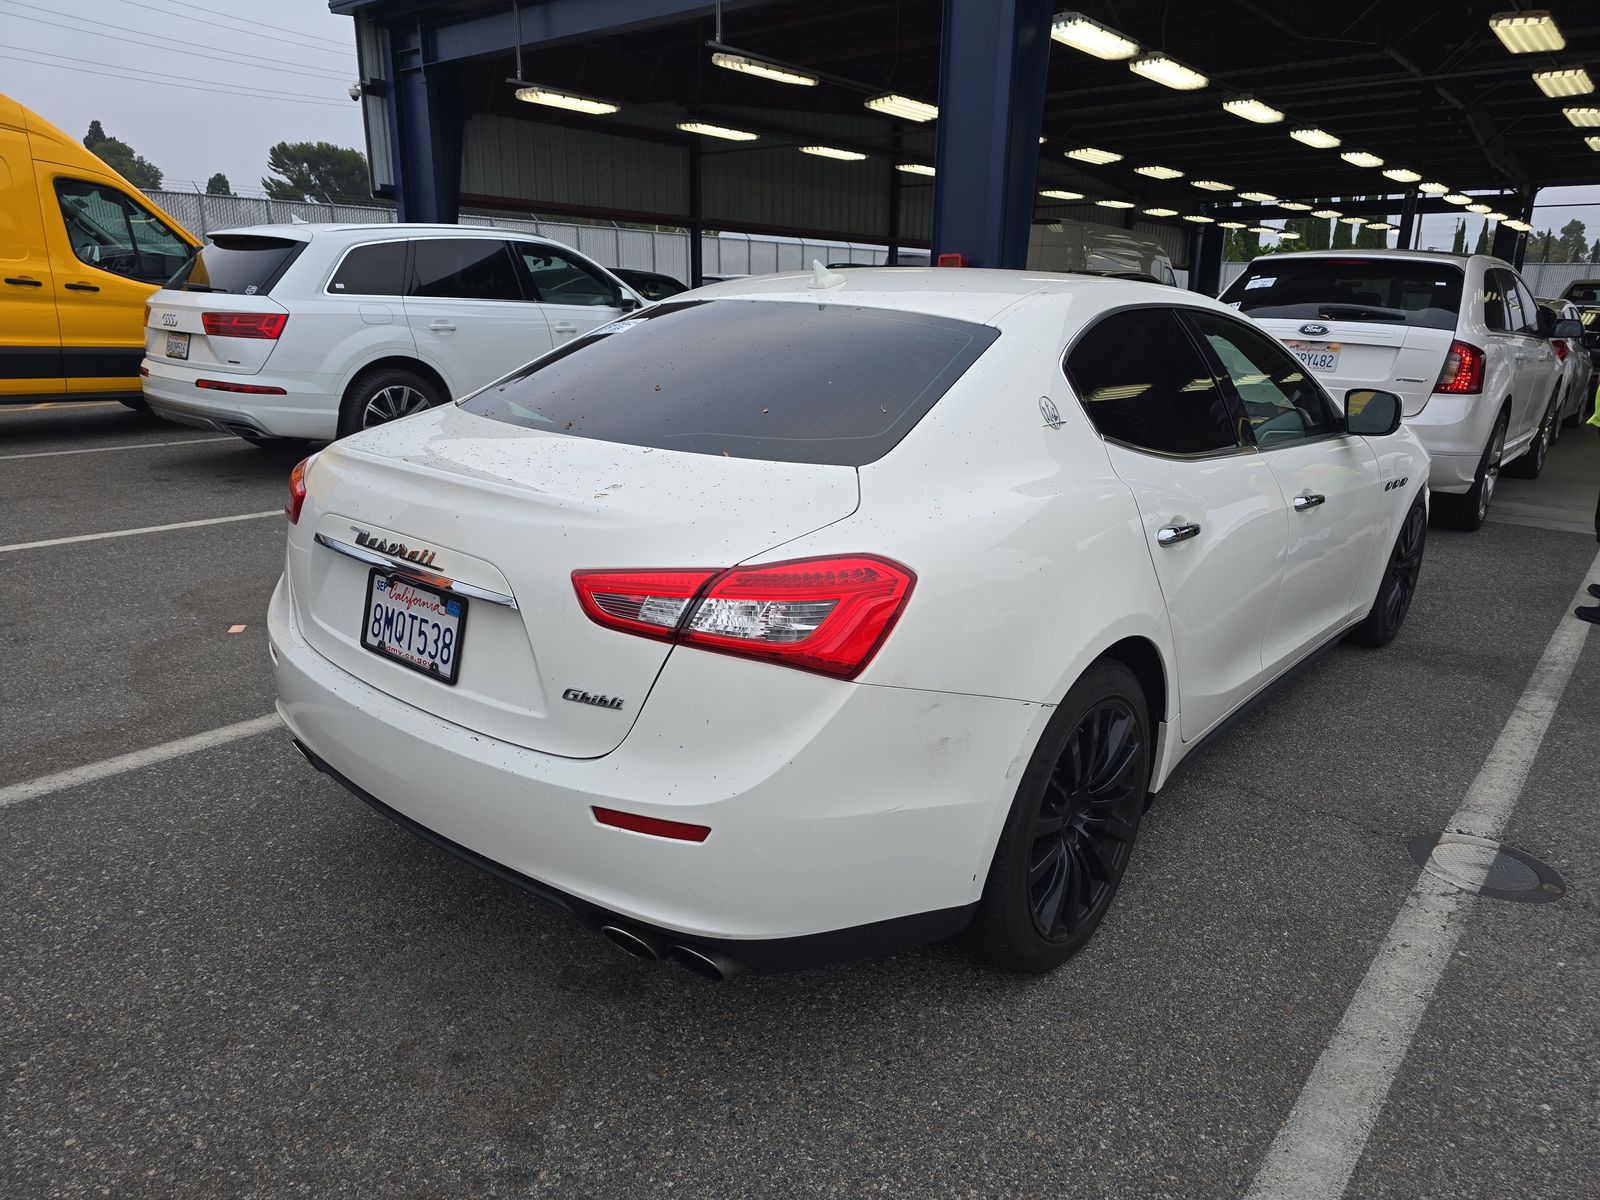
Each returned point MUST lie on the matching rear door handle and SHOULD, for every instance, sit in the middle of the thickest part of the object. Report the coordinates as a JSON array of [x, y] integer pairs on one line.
[[1171, 535], [564, 327], [81, 287], [23, 281], [1309, 500], [442, 326]]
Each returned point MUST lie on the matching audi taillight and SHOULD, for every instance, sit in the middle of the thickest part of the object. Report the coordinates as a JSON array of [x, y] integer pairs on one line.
[[244, 324], [297, 490], [1463, 371], [827, 615]]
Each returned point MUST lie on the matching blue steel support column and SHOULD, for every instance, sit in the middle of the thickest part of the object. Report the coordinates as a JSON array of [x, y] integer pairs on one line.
[[993, 57], [425, 119]]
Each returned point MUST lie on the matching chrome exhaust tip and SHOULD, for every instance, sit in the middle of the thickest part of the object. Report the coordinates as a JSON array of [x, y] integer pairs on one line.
[[705, 963], [631, 942]]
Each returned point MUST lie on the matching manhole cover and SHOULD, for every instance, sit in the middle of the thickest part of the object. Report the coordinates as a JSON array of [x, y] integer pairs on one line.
[[1486, 868]]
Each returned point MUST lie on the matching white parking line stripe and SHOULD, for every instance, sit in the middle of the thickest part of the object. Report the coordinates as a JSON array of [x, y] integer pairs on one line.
[[110, 449], [117, 533], [46, 784], [1322, 1138]]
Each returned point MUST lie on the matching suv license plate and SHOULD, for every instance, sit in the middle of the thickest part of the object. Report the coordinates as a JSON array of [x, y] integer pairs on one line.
[[1322, 357], [177, 345], [416, 625]]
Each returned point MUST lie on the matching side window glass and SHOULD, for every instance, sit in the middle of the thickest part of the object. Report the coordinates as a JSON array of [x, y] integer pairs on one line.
[[1280, 402], [1143, 382], [463, 269], [370, 271], [1530, 308], [557, 279], [1516, 319], [1494, 302], [111, 231]]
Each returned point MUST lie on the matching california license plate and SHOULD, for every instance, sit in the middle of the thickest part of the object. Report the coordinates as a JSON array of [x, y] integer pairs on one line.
[[414, 624], [177, 345], [1317, 356]]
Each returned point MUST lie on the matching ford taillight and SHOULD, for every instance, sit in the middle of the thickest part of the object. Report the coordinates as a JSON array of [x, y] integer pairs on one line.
[[828, 615], [1463, 371], [244, 324]]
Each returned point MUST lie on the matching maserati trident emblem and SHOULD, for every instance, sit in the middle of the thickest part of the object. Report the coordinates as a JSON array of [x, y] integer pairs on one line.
[[417, 554], [579, 696], [1312, 329]]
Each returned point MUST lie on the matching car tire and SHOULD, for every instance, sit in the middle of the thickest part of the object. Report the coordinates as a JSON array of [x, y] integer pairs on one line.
[[1530, 464], [1070, 832], [138, 403], [1468, 511], [1399, 582], [384, 395]]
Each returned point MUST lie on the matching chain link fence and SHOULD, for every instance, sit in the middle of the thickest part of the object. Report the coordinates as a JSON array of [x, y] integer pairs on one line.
[[611, 245]]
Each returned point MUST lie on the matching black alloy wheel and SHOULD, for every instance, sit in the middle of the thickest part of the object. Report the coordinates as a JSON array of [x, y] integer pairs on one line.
[[1399, 582]]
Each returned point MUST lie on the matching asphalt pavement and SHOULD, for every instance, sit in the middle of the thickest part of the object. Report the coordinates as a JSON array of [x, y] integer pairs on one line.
[[221, 976]]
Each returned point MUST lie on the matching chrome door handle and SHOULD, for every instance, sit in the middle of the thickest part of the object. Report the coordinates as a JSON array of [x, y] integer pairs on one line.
[[24, 281], [1171, 535], [1309, 500], [442, 326]]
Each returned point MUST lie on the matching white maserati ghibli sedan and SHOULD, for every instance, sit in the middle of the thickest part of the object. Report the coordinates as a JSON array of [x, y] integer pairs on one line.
[[805, 616]]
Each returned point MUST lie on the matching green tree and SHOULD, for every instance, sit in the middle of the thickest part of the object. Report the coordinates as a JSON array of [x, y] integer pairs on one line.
[[1459, 244], [1482, 244], [1542, 247], [119, 156], [1241, 246], [1343, 236], [1594, 255], [1315, 234], [315, 171], [1573, 246], [217, 185]]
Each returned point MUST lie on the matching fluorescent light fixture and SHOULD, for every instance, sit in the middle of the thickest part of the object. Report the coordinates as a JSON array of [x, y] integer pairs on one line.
[[914, 168], [1198, 219], [1527, 33], [1061, 194], [1584, 118], [1168, 72], [1159, 172], [833, 152], [1258, 197], [1494, 216], [1352, 220], [1294, 206], [1519, 226], [1267, 229], [902, 106], [1326, 213], [1592, 142], [1211, 185], [1433, 189], [1230, 224], [1401, 175], [1078, 31], [1288, 235], [716, 131], [566, 100], [1574, 81], [1457, 198], [1317, 139], [1089, 154], [767, 70], [1383, 225], [1115, 203], [1479, 208], [1252, 109], [1160, 212], [1360, 158]]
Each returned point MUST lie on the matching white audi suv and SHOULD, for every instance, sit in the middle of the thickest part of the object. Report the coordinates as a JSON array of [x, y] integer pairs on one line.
[[1457, 337], [799, 617]]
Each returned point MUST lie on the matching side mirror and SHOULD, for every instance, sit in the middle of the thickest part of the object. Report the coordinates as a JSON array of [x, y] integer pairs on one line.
[[1567, 328], [626, 303], [1371, 413]]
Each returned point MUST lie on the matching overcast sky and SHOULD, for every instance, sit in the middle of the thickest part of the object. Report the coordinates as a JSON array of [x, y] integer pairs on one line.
[[198, 86]]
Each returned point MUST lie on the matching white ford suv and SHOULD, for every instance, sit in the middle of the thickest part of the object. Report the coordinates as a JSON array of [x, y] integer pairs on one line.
[[317, 331], [1457, 337]]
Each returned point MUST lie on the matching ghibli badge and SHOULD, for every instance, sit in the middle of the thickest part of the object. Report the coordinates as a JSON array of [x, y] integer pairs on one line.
[[1312, 329], [414, 554], [579, 696]]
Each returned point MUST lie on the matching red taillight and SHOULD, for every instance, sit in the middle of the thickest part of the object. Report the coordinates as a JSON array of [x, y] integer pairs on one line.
[[951, 260], [297, 491], [655, 826], [249, 389], [147, 314], [1463, 371], [1560, 345], [244, 324], [827, 615]]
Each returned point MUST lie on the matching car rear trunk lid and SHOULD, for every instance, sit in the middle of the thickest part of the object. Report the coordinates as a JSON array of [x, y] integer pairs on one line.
[[1404, 359]]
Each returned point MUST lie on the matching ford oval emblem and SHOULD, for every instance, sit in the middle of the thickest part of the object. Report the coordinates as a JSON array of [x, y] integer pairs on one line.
[[1312, 329]]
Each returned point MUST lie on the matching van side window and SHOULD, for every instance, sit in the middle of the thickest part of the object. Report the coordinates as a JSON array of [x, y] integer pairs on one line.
[[110, 230], [374, 270]]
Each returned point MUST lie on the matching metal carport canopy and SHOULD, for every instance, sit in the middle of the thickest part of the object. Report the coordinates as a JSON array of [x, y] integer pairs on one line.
[[1423, 86]]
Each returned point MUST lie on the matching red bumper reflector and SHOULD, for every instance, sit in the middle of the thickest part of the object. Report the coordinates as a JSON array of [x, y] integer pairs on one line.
[[249, 389], [654, 826], [952, 260]]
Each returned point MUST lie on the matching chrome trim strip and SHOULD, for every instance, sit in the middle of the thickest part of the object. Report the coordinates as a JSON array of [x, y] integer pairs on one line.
[[413, 571]]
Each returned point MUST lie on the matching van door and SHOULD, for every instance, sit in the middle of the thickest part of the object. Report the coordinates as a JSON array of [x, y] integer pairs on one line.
[[30, 338], [108, 252], [574, 295]]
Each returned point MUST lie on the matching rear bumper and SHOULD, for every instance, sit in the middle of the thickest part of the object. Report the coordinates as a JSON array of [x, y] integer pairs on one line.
[[1454, 430], [301, 412], [844, 833]]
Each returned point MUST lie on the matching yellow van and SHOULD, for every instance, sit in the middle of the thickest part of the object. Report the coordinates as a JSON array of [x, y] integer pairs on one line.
[[80, 252]]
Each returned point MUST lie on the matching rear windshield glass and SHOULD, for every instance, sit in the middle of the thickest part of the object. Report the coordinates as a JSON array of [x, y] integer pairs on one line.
[[243, 264], [1410, 292], [775, 380], [1585, 292]]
